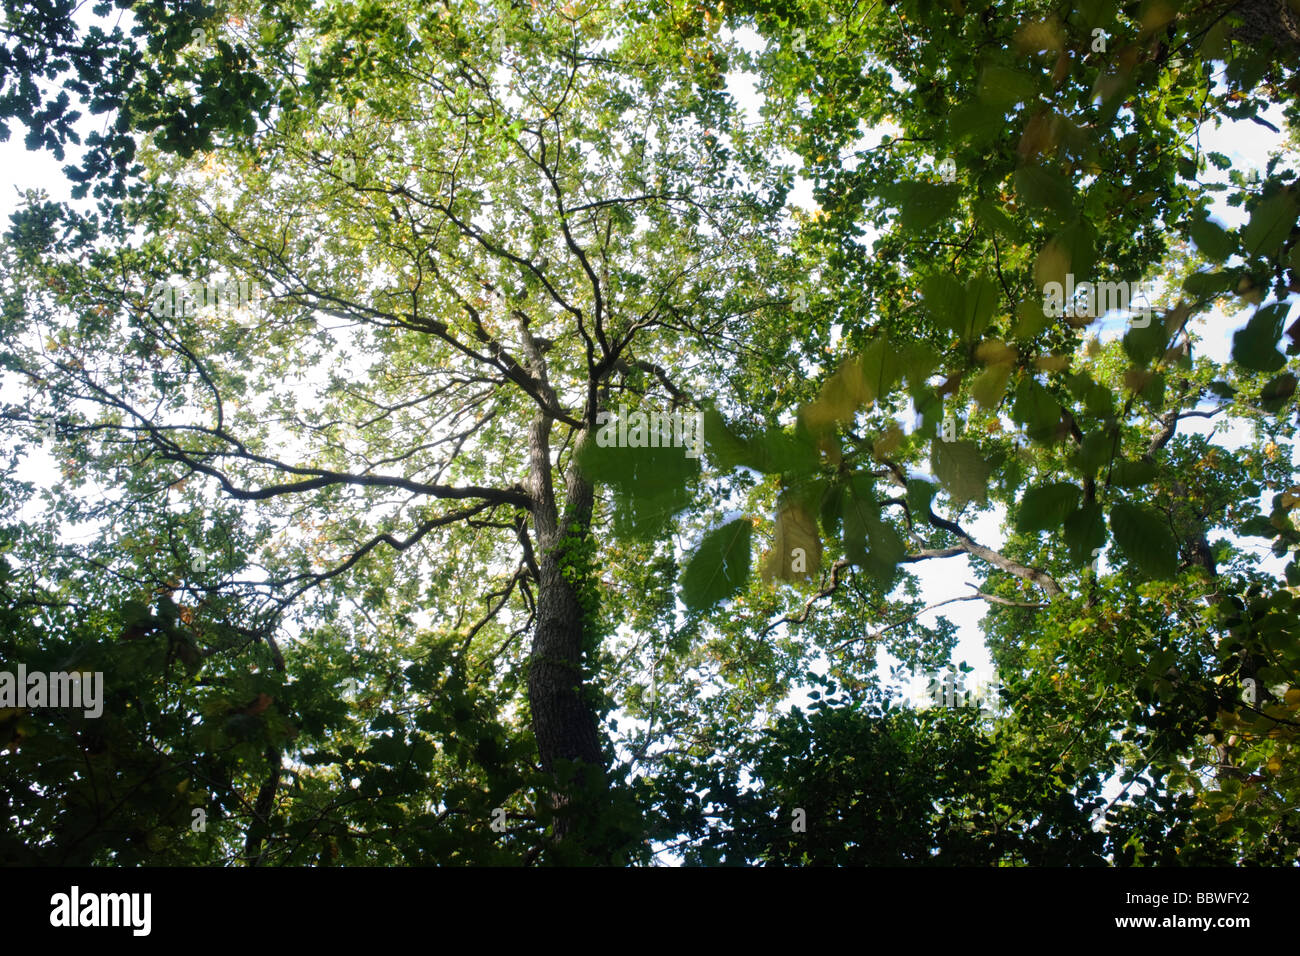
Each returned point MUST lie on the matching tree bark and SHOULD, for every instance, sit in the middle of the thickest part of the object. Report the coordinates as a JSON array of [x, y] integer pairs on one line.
[[563, 717], [564, 722]]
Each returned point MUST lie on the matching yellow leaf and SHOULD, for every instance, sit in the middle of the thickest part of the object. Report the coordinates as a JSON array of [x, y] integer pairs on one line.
[[995, 352], [1052, 363], [1040, 35], [1136, 379], [796, 547], [841, 396], [888, 442]]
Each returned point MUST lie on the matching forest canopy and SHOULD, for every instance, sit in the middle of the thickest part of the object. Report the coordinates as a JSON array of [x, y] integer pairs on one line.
[[522, 433]]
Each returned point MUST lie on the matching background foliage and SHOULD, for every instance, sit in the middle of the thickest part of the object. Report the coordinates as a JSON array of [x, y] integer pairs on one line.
[[307, 542]]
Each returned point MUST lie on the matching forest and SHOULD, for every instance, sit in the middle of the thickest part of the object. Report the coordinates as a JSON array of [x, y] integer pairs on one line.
[[665, 433]]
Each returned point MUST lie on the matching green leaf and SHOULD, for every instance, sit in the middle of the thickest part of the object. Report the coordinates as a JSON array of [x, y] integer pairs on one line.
[[1084, 532], [961, 470], [796, 547], [869, 541], [1044, 188], [832, 509], [842, 394], [1144, 344], [881, 369], [1045, 507], [1000, 86], [1153, 392], [650, 485], [860, 509], [978, 306], [1255, 346], [919, 495], [1132, 474], [726, 449], [1206, 285], [1270, 224], [719, 567], [1078, 241], [1275, 394], [976, 122], [1094, 453], [1030, 320], [1144, 537], [776, 451], [1098, 399], [1213, 241], [991, 217], [1037, 410], [942, 295], [922, 204], [916, 361]]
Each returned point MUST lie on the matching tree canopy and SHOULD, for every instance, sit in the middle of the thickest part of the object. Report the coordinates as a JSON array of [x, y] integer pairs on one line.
[[512, 433]]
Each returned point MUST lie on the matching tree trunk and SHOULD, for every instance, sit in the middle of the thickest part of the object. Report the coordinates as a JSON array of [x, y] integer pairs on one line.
[[564, 722], [563, 717]]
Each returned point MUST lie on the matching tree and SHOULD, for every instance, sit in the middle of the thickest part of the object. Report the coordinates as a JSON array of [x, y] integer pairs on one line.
[[483, 231], [499, 254]]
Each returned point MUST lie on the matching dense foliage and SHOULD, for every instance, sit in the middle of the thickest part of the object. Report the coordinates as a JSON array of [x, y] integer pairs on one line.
[[318, 385]]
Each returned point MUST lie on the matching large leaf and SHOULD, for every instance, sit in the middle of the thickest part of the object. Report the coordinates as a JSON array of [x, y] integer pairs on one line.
[[942, 295], [869, 541], [1142, 344], [1001, 86], [1207, 285], [1037, 410], [1098, 399], [1270, 224], [980, 302], [961, 470], [1255, 346], [841, 396], [650, 485], [1094, 453], [976, 122], [1144, 537], [771, 451], [922, 204], [726, 449], [1213, 241], [1132, 474], [1084, 532], [1037, 186], [991, 385], [719, 567], [881, 368], [1276, 392], [1046, 506], [919, 495], [796, 546]]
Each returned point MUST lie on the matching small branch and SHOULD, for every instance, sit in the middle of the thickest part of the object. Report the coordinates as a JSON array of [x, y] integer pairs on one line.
[[836, 568], [977, 596]]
